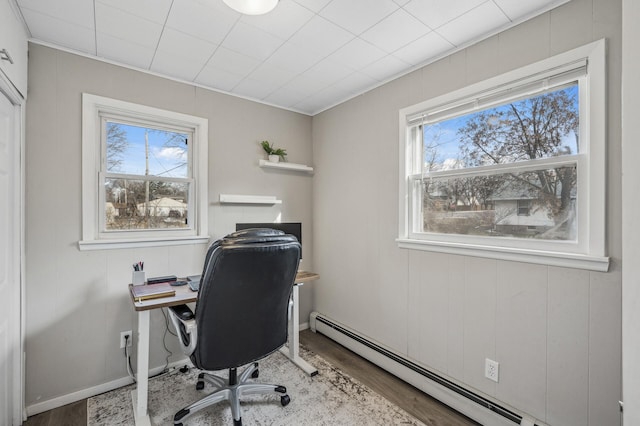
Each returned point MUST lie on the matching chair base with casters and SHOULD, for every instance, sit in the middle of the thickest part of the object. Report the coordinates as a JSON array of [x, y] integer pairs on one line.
[[231, 390]]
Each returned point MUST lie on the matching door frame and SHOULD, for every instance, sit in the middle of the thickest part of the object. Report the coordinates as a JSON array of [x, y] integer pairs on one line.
[[8, 90]]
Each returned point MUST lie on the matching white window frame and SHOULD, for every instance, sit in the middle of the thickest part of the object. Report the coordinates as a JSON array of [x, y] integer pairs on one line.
[[95, 110], [588, 250]]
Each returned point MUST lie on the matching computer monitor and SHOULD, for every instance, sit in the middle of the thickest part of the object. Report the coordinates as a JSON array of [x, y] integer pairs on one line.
[[293, 228]]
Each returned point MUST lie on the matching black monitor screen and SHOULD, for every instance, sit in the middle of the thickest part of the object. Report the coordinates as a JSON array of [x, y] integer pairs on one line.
[[293, 228]]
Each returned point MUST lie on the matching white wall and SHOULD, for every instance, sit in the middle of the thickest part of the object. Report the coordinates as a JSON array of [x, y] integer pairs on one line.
[[77, 303], [630, 208], [556, 332]]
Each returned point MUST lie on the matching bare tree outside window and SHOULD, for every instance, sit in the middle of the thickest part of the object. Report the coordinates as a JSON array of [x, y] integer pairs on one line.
[[541, 126], [147, 182]]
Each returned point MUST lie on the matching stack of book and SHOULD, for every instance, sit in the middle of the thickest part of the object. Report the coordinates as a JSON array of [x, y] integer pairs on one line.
[[151, 291]]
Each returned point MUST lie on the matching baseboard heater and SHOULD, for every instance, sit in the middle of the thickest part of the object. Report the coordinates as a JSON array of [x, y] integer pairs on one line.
[[440, 387]]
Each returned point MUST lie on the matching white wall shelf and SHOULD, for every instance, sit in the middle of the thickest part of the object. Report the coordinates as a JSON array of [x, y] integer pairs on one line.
[[286, 166], [248, 199]]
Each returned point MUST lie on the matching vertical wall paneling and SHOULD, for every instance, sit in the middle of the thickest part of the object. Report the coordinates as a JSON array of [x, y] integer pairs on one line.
[[567, 347], [555, 332]]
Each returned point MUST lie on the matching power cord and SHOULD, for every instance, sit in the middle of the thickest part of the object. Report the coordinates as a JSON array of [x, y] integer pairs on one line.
[[128, 359], [164, 336], [164, 343]]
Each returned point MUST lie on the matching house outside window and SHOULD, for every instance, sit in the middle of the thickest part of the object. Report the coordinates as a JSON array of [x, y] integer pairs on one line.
[[524, 207], [511, 168], [144, 175]]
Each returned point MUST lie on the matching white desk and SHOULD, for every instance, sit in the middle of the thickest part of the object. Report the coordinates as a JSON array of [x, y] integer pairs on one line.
[[185, 295]]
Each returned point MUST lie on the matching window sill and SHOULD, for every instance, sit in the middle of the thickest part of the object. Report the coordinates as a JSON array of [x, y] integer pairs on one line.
[[148, 242], [566, 260]]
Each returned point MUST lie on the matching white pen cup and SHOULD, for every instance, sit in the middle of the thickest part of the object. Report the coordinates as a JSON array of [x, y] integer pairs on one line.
[[137, 278]]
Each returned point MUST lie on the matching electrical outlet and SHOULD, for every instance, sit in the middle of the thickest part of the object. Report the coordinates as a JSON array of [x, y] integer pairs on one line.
[[126, 338], [491, 369]]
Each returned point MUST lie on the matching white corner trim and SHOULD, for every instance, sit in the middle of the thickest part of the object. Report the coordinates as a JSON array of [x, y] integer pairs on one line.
[[540, 257]]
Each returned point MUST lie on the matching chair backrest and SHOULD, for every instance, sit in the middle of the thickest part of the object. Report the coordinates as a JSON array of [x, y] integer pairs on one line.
[[242, 308]]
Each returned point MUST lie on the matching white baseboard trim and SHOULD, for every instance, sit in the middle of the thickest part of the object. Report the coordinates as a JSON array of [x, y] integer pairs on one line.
[[50, 404], [69, 398]]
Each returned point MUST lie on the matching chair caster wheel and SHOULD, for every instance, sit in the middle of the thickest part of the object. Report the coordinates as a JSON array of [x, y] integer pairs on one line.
[[255, 374], [200, 385], [285, 400]]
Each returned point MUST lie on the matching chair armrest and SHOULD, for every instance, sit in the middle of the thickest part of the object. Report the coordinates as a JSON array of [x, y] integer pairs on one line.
[[183, 321]]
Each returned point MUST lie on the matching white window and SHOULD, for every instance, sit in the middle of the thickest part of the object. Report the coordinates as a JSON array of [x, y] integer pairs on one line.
[[144, 175], [512, 167]]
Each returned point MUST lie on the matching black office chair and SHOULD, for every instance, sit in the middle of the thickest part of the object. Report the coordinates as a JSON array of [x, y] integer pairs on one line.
[[240, 316]]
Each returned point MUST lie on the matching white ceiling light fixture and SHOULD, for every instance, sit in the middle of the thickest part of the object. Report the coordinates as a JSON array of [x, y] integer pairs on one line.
[[252, 7]]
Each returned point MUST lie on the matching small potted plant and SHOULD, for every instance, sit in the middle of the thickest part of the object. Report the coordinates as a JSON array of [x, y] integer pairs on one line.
[[275, 154]]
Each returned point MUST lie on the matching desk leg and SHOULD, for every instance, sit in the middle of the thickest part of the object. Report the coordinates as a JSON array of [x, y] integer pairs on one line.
[[294, 339], [140, 394]]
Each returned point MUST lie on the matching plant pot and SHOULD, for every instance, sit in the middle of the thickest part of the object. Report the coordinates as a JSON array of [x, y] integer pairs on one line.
[[274, 158]]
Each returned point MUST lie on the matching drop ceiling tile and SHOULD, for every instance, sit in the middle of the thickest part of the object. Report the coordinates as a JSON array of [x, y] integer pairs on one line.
[[321, 36], [426, 47], [176, 65], [251, 41], [254, 89], [211, 21], [304, 54], [185, 46], [357, 16], [436, 13], [217, 78], [78, 12], [386, 35], [284, 21], [357, 54], [516, 9], [324, 99], [124, 51], [65, 34], [272, 74], [482, 20], [126, 26], [327, 72], [294, 57], [356, 82], [181, 55], [310, 105], [313, 5], [152, 10], [385, 68], [306, 83], [285, 97], [233, 62]]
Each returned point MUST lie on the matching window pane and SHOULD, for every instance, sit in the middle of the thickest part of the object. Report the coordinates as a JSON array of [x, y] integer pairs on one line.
[[129, 207], [538, 204], [145, 151], [542, 126]]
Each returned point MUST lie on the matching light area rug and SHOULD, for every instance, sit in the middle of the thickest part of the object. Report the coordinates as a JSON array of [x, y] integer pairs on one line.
[[329, 398]]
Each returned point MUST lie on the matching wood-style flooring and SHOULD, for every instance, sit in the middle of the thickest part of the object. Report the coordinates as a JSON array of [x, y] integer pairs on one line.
[[423, 407]]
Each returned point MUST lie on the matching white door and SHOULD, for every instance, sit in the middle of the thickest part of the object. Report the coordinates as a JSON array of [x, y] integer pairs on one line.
[[10, 311]]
